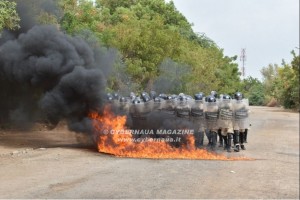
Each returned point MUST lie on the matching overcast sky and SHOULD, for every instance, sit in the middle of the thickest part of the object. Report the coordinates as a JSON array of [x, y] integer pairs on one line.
[[268, 29]]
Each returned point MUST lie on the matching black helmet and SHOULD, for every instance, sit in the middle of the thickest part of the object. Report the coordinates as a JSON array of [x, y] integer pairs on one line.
[[123, 99], [182, 98], [226, 96], [169, 97], [145, 96], [109, 96], [163, 96], [132, 95], [116, 96], [136, 100], [238, 96], [210, 99], [153, 94], [199, 96], [214, 93]]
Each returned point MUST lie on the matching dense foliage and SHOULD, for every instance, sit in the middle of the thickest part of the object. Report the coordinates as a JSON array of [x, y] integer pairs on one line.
[[281, 83], [147, 33], [157, 48], [9, 18]]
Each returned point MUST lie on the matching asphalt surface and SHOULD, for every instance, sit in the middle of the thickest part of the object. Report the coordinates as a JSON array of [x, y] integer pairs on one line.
[[51, 164]]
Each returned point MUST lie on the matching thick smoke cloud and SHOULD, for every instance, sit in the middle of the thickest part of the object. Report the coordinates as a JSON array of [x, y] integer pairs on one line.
[[47, 73], [171, 78]]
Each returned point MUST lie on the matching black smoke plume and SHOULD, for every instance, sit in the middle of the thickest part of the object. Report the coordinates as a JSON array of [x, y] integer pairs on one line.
[[47, 74]]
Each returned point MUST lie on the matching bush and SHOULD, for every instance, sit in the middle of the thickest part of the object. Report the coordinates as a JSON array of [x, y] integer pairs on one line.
[[256, 95], [272, 103]]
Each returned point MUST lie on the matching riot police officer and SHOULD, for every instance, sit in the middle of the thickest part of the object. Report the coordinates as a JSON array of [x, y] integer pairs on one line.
[[135, 112], [197, 117], [124, 105], [240, 122], [215, 94], [225, 120], [153, 94], [183, 108], [109, 97], [211, 118]]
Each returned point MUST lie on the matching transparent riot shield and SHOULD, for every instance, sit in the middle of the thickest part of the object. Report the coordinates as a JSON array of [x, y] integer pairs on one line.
[[158, 104], [124, 106], [169, 106], [211, 115], [225, 113], [141, 109], [183, 109], [241, 114], [139, 112], [197, 115]]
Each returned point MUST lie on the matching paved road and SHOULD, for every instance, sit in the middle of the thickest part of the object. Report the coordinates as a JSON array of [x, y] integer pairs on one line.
[[50, 164]]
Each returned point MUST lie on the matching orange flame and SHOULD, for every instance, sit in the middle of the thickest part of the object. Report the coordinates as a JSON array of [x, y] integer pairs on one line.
[[123, 145]]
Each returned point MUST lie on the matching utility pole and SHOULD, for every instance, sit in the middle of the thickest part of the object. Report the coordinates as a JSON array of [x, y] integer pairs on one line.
[[243, 59]]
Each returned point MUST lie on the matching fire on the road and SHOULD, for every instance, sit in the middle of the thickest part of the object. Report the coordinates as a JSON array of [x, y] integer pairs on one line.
[[122, 145]]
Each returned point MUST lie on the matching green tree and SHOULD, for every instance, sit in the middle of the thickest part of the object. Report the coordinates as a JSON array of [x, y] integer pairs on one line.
[[287, 83], [253, 89], [9, 18], [282, 83], [144, 44], [228, 74], [270, 82], [295, 64], [149, 32]]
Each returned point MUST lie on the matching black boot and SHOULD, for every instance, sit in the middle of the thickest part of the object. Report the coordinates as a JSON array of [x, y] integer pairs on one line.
[[245, 135], [229, 139], [236, 136], [214, 139], [209, 138], [220, 138], [225, 141], [201, 139], [242, 137], [199, 136]]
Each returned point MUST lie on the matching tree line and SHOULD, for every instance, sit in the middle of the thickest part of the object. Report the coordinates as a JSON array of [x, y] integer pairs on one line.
[[156, 46]]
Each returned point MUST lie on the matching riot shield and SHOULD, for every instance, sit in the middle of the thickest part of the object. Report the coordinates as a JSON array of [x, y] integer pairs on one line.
[[141, 109], [139, 112], [241, 114], [158, 104], [211, 115], [225, 113], [197, 115], [183, 109], [124, 106], [169, 106]]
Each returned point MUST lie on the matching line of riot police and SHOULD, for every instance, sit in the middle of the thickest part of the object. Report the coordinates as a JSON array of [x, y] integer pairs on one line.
[[225, 117]]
